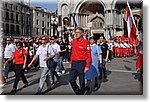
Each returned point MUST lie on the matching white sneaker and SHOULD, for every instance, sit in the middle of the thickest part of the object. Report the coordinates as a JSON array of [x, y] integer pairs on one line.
[[58, 73], [63, 72]]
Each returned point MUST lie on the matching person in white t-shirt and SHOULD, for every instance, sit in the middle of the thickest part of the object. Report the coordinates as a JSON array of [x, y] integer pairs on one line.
[[45, 52], [8, 52], [56, 49]]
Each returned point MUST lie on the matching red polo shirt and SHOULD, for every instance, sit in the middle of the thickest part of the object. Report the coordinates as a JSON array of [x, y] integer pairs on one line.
[[18, 56], [81, 51]]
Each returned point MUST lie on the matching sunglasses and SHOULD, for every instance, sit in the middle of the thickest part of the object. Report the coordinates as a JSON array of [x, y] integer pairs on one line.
[[52, 39], [18, 45]]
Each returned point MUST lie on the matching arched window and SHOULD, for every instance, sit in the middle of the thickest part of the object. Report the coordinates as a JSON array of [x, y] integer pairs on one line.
[[97, 22]]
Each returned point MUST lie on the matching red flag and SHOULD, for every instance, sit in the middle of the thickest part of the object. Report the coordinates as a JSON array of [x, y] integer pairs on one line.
[[130, 25]]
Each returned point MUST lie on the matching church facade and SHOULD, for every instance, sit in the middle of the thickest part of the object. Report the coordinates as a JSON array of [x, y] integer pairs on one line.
[[98, 16]]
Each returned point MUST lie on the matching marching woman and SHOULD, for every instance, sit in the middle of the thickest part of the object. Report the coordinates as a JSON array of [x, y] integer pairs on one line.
[[19, 57], [93, 72]]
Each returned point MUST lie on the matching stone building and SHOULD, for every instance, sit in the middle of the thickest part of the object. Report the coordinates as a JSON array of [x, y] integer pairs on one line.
[[98, 16], [15, 18], [41, 19]]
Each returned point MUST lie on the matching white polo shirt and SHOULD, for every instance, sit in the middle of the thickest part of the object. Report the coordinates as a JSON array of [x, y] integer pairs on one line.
[[56, 49], [42, 52], [9, 50]]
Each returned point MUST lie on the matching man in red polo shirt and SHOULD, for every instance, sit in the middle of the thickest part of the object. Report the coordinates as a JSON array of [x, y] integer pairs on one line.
[[80, 61]]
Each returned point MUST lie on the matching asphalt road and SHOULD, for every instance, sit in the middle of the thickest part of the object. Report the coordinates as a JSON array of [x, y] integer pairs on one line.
[[123, 79]]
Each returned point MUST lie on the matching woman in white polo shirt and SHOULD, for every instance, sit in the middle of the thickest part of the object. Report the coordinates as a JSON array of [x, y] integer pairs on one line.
[[42, 53]]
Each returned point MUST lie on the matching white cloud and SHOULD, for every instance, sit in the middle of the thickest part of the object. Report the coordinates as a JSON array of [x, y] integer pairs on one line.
[[43, 1]]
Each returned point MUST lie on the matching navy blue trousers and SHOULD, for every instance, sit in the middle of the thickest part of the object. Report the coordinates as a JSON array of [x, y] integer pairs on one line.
[[77, 70]]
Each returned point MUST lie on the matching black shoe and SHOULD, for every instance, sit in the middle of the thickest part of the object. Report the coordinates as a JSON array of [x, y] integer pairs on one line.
[[26, 84], [58, 78], [96, 86], [87, 88], [49, 89], [100, 77], [105, 77], [38, 93], [13, 90]]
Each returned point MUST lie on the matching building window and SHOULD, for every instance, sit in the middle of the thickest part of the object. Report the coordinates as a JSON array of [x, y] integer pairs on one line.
[[22, 19], [37, 31], [12, 29], [12, 16], [47, 32], [7, 15], [37, 13], [17, 29], [17, 18], [48, 17], [43, 31], [16, 8], [27, 20], [37, 22], [43, 15], [43, 24], [47, 24], [7, 28], [101, 25], [22, 9], [6, 5], [11, 6]]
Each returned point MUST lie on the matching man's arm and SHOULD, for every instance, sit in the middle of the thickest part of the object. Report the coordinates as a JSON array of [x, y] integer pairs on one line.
[[89, 58], [34, 58]]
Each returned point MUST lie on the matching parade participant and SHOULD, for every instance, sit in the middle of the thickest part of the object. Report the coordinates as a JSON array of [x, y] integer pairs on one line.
[[93, 72], [127, 48], [119, 50], [123, 49], [56, 49], [110, 47], [62, 54], [80, 61], [105, 55], [42, 53], [139, 62], [20, 58], [115, 46], [8, 52]]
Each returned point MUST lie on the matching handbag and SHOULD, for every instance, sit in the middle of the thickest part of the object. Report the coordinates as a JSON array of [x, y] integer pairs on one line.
[[49, 62]]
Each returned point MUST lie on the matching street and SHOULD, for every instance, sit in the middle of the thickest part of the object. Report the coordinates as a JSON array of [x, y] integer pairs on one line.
[[122, 80]]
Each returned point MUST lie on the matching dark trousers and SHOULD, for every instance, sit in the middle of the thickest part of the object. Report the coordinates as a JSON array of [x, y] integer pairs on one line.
[[8, 68], [53, 72], [102, 69], [77, 69], [19, 73]]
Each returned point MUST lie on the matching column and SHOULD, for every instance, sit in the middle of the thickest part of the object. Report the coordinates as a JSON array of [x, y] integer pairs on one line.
[[114, 34], [79, 20], [111, 17]]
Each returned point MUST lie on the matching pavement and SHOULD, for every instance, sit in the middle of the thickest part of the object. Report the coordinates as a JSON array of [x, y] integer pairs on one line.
[[123, 79]]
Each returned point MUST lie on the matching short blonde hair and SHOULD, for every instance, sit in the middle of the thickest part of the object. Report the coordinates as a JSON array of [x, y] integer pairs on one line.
[[45, 36]]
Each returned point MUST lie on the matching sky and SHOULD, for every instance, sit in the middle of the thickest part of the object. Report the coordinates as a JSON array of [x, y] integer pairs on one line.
[[51, 5]]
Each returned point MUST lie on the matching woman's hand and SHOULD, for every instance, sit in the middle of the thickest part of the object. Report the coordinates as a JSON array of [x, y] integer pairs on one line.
[[24, 66], [29, 65], [5, 62]]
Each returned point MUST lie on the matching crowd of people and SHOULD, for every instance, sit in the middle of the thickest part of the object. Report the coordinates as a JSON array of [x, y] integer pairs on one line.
[[88, 59]]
